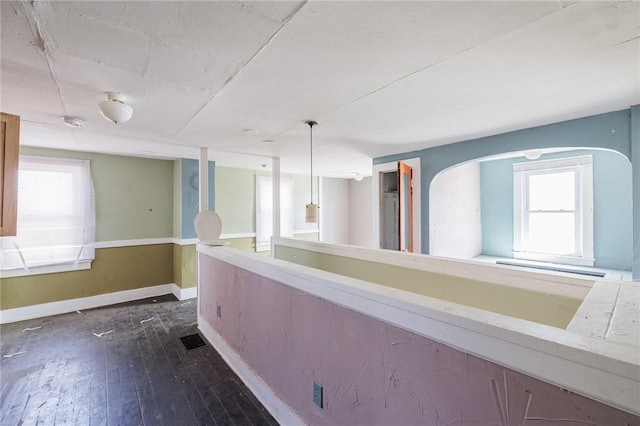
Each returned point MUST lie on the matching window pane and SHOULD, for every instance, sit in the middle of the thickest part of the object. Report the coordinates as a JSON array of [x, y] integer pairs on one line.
[[552, 233], [44, 192], [552, 191]]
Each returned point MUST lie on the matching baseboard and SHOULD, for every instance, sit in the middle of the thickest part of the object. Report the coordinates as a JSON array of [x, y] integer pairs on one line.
[[72, 305], [278, 409], [184, 293]]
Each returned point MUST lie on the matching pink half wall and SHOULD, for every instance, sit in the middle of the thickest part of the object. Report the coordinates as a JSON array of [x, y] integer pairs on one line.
[[373, 373]]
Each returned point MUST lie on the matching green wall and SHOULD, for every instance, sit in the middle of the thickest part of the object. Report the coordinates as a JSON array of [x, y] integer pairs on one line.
[[134, 196], [133, 200], [236, 199], [301, 197]]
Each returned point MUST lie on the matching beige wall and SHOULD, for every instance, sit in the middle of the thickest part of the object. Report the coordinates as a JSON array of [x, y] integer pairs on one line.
[[543, 308], [184, 265], [114, 269]]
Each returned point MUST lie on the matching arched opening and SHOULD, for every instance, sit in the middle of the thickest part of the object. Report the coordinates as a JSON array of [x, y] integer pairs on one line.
[[474, 210]]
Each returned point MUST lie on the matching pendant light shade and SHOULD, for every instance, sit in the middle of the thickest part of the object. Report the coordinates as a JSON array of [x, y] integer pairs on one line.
[[311, 215], [114, 109]]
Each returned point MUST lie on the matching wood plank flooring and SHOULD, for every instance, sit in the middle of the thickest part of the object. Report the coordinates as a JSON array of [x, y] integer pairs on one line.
[[119, 365]]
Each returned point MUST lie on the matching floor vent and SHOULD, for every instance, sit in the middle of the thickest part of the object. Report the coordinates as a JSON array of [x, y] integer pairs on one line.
[[192, 341]]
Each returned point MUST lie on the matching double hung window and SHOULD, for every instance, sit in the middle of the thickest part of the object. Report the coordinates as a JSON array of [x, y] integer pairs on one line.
[[553, 210]]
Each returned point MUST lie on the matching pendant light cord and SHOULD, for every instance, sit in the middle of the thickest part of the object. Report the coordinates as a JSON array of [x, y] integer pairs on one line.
[[311, 143], [311, 124]]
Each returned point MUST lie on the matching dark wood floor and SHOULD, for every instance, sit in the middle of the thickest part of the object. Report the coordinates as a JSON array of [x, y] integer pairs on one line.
[[55, 370]]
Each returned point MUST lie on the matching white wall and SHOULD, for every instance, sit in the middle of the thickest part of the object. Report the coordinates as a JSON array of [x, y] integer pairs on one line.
[[334, 211], [454, 199], [360, 213]]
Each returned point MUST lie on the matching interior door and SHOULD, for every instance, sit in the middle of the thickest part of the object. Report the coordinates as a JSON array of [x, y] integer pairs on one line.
[[405, 195]]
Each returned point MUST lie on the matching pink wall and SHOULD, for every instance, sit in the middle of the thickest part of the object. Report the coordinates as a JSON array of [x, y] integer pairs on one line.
[[373, 373]]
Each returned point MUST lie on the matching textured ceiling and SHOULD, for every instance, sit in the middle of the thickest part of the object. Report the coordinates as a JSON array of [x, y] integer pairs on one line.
[[380, 77]]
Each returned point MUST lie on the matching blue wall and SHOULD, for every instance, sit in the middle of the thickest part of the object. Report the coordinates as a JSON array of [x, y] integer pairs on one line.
[[612, 205], [496, 207], [190, 194], [612, 131]]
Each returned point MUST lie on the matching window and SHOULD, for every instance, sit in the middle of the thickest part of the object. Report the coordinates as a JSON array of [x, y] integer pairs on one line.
[[553, 210], [264, 210], [56, 219]]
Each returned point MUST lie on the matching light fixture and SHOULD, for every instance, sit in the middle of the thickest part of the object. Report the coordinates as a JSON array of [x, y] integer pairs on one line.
[[114, 109], [312, 209], [74, 122], [532, 154]]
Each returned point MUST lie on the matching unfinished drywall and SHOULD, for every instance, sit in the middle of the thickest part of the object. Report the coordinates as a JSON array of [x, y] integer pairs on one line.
[[334, 211], [371, 372], [454, 218]]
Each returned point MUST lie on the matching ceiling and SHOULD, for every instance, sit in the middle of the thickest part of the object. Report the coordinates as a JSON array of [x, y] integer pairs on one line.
[[379, 77]]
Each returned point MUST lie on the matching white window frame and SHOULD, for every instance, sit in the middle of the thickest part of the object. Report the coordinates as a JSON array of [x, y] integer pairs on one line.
[[86, 248], [264, 212], [583, 167]]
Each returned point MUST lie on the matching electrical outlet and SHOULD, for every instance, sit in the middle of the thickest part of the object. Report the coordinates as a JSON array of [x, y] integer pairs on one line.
[[219, 311], [317, 394]]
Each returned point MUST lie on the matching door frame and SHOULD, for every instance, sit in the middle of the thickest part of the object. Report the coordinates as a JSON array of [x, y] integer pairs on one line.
[[414, 163]]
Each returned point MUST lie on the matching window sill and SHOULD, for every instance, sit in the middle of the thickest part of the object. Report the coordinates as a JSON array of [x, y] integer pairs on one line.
[[46, 269], [563, 260]]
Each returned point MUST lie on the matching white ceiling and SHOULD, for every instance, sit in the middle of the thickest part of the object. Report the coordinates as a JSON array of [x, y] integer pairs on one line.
[[380, 77]]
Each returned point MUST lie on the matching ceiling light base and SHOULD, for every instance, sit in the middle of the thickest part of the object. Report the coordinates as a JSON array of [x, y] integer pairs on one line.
[[73, 122]]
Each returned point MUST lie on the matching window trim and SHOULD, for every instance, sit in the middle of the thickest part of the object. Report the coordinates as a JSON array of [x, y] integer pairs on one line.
[[46, 269], [583, 167]]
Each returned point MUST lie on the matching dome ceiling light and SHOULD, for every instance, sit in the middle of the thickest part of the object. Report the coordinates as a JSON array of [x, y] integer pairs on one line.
[[114, 109]]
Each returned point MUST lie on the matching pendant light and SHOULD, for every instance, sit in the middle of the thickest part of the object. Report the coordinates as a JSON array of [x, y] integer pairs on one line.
[[312, 209]]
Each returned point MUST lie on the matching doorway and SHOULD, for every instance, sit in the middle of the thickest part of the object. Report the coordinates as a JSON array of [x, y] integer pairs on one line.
[[396, 208]]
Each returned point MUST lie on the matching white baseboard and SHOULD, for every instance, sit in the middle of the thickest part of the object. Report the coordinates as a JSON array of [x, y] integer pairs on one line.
[[278, 409], [72, 305], [185, 293]]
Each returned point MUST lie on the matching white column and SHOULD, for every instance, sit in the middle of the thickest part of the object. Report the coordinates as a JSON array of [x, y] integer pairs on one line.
[[204, 179], [275, 181]]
